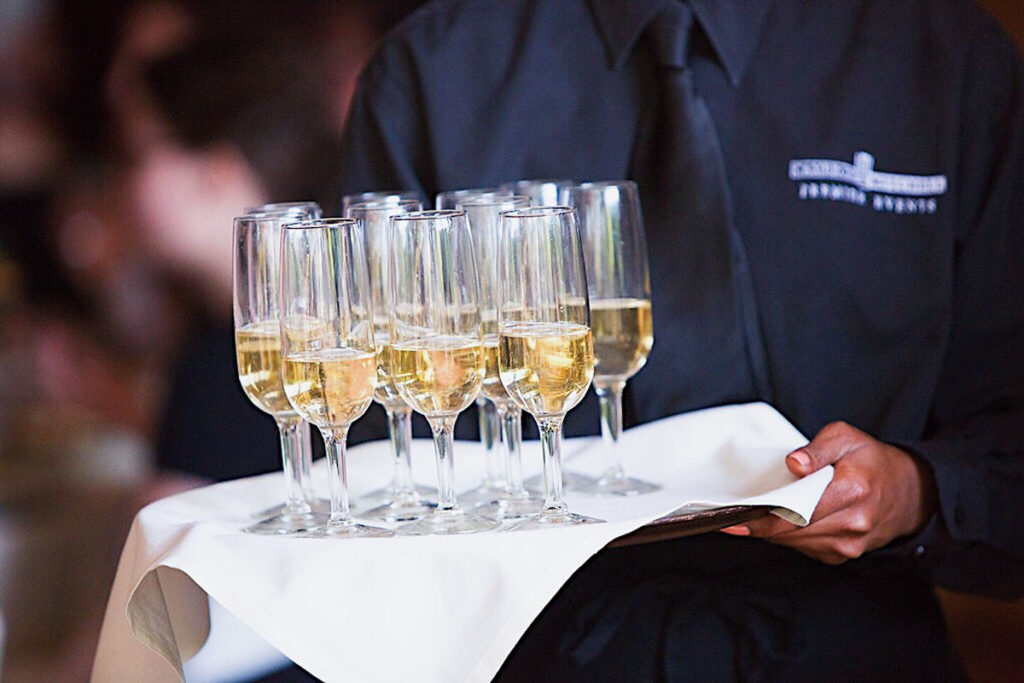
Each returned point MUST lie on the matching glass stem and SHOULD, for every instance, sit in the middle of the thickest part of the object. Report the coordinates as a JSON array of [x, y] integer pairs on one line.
[[489, 435], [400, 431], [551, 444], [306, 461], [609, 397], [512, 435], [444, 446], [334, 444], [291, 458]]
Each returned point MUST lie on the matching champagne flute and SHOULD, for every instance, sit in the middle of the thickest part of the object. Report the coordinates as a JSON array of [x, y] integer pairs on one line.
[[483, 213], [546, 350], [450, 199], [490, 428], [301, 210], [402, 500], [389, 196], [288, 212], [330, 361], [541, 192], [257, 244], [620, 310], [436, 352]]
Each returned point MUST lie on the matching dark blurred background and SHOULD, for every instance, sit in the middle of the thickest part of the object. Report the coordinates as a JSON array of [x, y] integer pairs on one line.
[[131, 132]]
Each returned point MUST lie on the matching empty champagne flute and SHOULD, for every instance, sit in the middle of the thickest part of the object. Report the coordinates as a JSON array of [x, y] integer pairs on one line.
[[541, 192], [330, 361], [288, 212], [513, 501], [390, 196], [256, 264], [436, 352], [401, 500], [545, 346], [620, 310]]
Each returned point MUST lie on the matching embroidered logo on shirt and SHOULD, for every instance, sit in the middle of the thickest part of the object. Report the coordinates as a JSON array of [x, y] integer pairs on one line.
[[859, 183]]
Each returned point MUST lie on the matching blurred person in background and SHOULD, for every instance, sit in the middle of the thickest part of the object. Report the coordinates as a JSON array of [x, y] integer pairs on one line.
[[246, 108]]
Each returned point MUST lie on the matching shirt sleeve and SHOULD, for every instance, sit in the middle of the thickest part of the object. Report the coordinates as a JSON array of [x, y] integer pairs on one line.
[[386, 146], [975, 439]]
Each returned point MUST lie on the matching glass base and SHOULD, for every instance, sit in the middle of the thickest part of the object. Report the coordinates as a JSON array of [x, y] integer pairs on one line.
[[387, 494], [348, 530], [515, 507], [321, 505], [285, 524], [553, 520], [483, 494], [619, 485], [401, 511], [573, 482], [443, 522]]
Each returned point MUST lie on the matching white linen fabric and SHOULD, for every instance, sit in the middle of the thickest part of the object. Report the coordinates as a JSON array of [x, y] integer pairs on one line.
[[420, 608]]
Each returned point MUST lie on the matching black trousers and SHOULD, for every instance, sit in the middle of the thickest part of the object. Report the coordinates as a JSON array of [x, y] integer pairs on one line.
[[718, 608]]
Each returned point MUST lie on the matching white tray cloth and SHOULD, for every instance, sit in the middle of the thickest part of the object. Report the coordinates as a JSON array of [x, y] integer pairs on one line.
[[418, 608]]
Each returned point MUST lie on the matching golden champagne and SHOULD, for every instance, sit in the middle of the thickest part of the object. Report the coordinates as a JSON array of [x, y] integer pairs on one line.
[[546, 367], [492, 387], [438, 375], [331, 388], [258, 349], [623, 336], [386, 393]]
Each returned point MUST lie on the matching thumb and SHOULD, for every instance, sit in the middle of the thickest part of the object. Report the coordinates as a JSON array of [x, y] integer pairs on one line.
[[802, 462], [825, 448]]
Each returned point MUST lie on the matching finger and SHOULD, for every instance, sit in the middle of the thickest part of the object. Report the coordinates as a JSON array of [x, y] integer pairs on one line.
[[820, 546], [768, 526], [833, 507], [831, 501], [828, 445]]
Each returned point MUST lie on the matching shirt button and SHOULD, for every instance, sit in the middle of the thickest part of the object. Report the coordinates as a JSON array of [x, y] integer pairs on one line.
[[919, 551]]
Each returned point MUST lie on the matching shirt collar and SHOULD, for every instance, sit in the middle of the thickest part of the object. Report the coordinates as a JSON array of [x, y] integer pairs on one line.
[[734, 27]]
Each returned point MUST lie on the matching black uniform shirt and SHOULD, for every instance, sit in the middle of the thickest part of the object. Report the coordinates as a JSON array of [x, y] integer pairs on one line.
[[875, 159]]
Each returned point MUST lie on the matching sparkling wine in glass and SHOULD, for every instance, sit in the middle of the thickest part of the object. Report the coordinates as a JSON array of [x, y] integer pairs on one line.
[[490, 427], [387, 196], [546, 192], [257, 250], [288, 212], [330, 361], [401, 500], [513, 501], [436, 351], [545, 345], [620, 310]]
